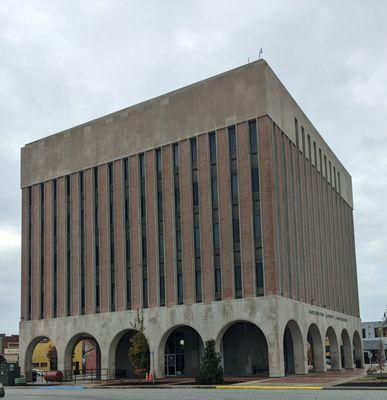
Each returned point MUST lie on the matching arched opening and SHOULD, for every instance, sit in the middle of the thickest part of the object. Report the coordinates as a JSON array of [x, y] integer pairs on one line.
[[332, 350], [82, 358], [293, 349], [316, 350], [244, 349], [41, 356], [357, 350], [182, 352], [346, 350], [120, 366]]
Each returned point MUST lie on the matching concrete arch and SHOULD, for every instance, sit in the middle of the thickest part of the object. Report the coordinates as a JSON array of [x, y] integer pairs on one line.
[[358, 350], [294, 349], [187, 361], [119, 363], [317, 347], [30, 351], [346, 350], [244, 348], [334, 349], [70, 346]]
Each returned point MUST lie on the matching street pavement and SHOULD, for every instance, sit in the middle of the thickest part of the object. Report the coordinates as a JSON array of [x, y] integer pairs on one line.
[[78, 393]]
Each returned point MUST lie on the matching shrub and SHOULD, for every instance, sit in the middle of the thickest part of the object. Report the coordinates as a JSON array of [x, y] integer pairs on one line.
[[210, 370], [139, 348]]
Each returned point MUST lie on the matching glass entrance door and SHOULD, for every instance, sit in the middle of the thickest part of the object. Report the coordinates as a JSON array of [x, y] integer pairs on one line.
[[170, 364]]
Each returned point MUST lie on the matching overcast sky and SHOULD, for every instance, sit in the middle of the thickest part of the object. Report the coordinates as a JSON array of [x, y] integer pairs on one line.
[[66, 62]]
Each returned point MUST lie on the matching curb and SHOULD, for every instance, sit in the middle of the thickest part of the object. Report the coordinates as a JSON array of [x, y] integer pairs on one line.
[[239, 387]]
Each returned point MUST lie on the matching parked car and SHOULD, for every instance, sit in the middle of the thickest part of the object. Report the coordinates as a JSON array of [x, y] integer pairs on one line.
[[2, 393]]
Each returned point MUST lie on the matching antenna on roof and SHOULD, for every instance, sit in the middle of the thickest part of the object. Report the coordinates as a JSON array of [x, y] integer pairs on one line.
[[260, 53]]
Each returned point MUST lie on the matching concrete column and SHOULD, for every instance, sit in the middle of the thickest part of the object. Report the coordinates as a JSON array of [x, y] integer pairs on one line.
[[348, 357], [61, 358], [104, 360], [157, 360], [276, 356]]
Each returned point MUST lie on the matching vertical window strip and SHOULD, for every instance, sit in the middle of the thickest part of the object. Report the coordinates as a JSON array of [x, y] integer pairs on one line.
[[127, 237], [29, 272], [82, 239], [68, 245], [296, 132], [196, 219], [286, 195], [160, 226], [254, 160], [143, 232], [325, 167], [42, 238], [215, 217], [294, 216], [301, 214], [55, 246], [111, 238], [232, 140], [97, 269], [179, 262], [330, 173]]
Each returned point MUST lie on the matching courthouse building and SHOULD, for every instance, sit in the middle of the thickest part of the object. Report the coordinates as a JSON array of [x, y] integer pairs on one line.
[[218, 209]]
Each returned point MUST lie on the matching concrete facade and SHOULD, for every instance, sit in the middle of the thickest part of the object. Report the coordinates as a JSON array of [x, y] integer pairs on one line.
[[270, 313], [217, 207], [374, 337]]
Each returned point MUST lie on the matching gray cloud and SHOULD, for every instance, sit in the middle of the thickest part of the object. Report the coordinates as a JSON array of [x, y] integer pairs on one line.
[[66, 62]]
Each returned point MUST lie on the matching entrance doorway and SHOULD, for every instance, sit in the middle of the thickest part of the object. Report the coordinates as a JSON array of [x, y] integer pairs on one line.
[[182, 352]]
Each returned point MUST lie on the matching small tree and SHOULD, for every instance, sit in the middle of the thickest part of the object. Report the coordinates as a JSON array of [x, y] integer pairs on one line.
[[52, 356], [210, 370], [139, 348]]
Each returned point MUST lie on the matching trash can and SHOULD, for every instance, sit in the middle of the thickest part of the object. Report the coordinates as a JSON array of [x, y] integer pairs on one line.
[[8, 373]]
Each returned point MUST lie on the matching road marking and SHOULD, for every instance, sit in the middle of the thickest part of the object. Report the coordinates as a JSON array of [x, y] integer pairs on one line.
[[59, 387]]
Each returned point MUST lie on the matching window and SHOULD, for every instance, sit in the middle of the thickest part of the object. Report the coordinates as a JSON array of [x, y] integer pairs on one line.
[[68, 246], [141, 161], [42, 240], [96, 241], [297, 134], [215, 218], [112, 243], [259, 290], [179, 262], [235, 210], [232, 141], [128, 270], [29, 274], [195, 201], [160, 225], [216, 235], [55, 247], [255, 179]]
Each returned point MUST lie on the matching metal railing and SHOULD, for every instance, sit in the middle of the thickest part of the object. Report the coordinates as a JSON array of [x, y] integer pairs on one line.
[[81, 375]]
